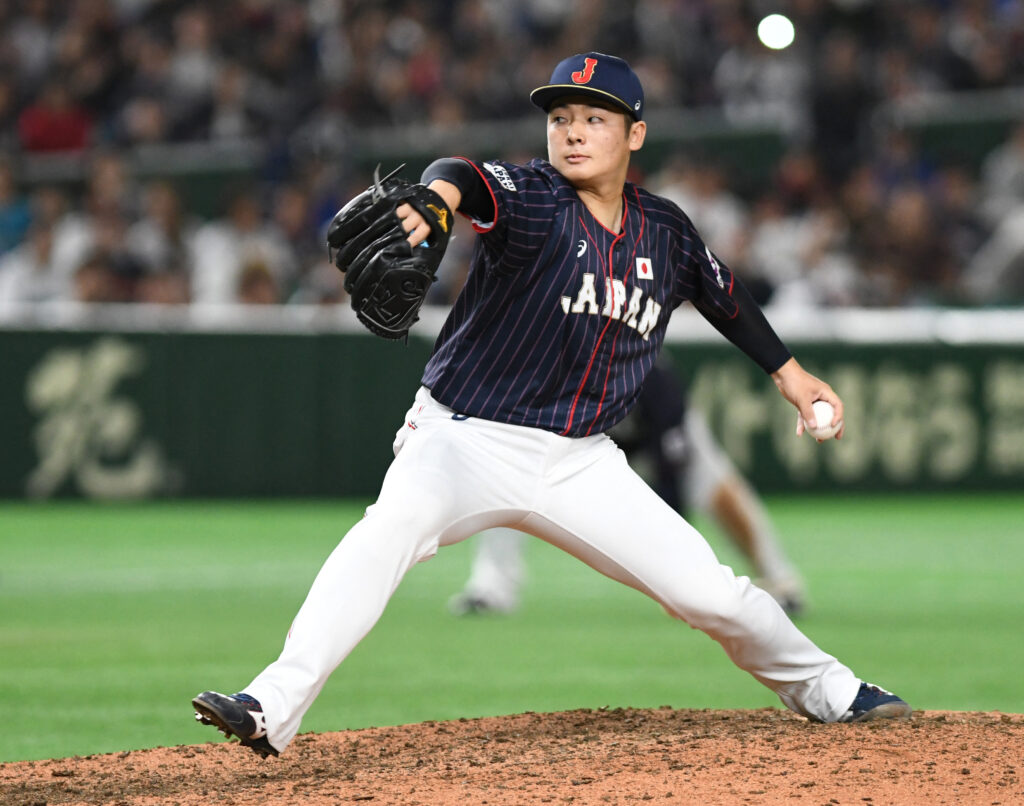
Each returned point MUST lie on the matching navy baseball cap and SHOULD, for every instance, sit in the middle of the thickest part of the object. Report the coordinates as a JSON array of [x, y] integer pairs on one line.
[[594, 75]]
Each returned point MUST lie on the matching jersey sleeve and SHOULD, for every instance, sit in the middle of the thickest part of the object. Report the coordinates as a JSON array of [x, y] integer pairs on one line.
[[520, 215], [704, 280], [723, 300]]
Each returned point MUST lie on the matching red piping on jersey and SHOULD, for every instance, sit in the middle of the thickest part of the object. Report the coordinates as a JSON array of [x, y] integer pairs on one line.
[[600, 338], [629, 270], [609, 277], [494, 201]]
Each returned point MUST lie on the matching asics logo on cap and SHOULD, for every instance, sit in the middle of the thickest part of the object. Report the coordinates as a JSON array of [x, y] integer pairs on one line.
[[583, 76]]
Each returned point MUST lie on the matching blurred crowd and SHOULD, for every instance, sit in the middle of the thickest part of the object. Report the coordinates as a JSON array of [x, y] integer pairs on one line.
[[855, 212]]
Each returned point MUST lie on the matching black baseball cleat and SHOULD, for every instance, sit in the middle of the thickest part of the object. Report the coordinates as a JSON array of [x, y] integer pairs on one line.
[[238, 715], [873, 702]]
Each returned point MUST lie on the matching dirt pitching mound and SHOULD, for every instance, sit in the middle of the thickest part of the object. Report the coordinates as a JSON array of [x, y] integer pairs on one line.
[[620, 756]]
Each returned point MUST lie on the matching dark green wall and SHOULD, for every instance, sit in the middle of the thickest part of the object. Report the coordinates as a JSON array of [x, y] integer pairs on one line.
[[105, 414]]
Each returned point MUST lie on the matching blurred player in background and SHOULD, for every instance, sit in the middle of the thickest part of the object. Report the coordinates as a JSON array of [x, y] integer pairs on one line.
[[670, 444]]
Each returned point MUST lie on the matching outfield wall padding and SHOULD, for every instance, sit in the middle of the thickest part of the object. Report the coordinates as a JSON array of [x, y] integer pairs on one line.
[[106, 413]]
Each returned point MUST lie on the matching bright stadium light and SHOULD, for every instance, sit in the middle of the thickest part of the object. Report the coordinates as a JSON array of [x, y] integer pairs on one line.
[[776, 32]]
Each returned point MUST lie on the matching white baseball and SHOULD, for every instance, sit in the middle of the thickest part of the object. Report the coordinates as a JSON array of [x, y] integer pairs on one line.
[[823, 414]]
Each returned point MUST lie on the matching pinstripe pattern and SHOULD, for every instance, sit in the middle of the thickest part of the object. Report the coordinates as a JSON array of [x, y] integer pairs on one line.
[[554, 329]]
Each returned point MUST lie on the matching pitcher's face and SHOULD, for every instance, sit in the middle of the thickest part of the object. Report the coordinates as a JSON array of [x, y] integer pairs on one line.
[[587, 143]]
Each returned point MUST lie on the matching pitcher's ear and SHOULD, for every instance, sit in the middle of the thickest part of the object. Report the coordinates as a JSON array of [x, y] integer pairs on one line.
[[637, 133]]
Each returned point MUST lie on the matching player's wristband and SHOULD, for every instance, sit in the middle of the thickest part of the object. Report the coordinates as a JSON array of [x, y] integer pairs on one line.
[[476, 199]]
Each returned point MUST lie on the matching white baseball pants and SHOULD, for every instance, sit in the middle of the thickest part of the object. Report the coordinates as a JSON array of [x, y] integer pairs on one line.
[[453, 477]]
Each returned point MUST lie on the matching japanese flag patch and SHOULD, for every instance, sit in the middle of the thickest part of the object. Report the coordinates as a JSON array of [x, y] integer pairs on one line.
[[644, 270]]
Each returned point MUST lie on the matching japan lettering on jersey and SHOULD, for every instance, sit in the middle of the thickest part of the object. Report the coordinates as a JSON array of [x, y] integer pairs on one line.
[[561, 319]]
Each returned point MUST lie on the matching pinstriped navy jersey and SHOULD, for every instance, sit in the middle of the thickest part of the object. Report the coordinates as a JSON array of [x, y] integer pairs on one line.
[[560, 319]]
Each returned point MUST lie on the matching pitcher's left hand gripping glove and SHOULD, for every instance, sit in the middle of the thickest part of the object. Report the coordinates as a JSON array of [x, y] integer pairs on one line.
[[386, 278]]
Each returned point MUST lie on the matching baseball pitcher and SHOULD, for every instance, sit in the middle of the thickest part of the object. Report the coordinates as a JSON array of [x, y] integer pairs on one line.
[[574, 275]]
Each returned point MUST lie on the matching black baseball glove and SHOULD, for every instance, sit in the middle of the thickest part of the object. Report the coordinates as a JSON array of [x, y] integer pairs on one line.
[[386, 278]]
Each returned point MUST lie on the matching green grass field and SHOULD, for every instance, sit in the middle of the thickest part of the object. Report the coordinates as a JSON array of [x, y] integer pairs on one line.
[[114, 616]]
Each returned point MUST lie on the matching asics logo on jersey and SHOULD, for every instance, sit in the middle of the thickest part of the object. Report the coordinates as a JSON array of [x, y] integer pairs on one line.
[[640, 312], [582, 250], [499, 173], [583, 76]]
